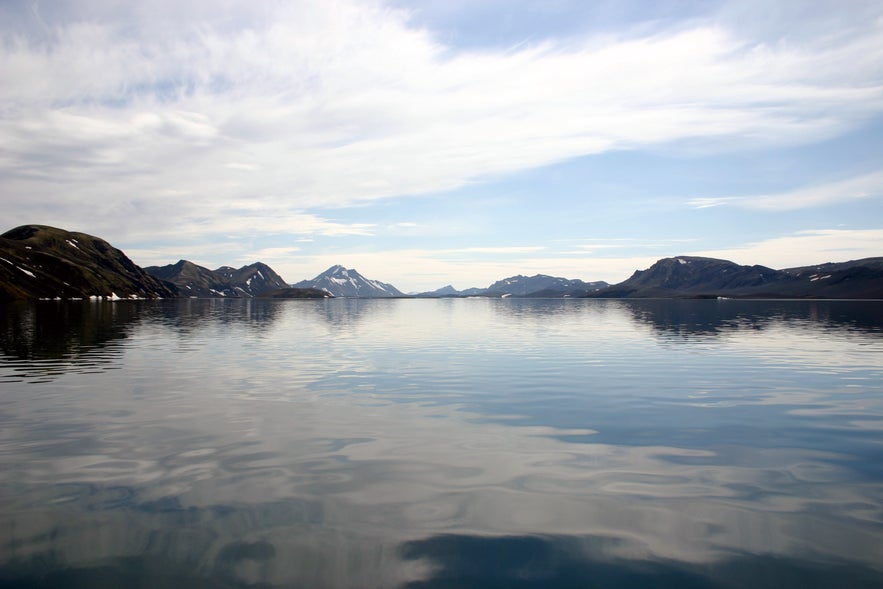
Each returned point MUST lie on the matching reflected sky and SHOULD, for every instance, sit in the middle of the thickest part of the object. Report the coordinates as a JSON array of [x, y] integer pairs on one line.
[[437, 443]]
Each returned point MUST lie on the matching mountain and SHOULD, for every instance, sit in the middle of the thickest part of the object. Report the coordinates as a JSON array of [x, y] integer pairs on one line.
[[542, 285], [343, 282], [193, 280], [253, 279], [38, 261], [445, 291], [848, 280], [698, 277]]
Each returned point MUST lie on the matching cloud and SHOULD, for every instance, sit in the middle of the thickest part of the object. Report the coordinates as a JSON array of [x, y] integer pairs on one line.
[[506, 250], [805, 248], [866, 186], [112, 112], [233, 229]]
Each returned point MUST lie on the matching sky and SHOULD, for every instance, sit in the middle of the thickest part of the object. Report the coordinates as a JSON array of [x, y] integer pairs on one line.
[[436, 142]]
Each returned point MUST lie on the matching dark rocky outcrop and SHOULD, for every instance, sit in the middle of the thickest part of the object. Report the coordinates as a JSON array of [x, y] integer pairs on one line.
[[38, 261]]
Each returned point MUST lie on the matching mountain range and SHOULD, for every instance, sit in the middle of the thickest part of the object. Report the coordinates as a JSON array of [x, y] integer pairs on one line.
[[37, 261], [698, 277], [192, 280]]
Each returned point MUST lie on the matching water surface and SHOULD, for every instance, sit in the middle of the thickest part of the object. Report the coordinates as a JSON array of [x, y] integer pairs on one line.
[[442, 443]]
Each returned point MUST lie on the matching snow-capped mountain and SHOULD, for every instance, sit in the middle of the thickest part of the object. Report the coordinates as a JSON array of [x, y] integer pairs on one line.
[[345, 282]]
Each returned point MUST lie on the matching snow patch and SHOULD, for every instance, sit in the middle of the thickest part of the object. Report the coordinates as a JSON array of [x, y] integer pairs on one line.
[[28, 272], [72, 243]]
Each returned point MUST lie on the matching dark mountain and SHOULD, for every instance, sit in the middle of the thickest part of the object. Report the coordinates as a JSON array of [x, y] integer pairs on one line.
[[193, 280], [855, 279], [445, 291], [37, 261], [190, 279], [541, 285], [253, 279], [696, 277], [343, 282]]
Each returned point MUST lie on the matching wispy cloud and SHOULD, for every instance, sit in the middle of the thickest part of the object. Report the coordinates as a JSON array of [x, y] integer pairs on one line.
[[805, 248], [865, 186], [292, 106], [525, 249]]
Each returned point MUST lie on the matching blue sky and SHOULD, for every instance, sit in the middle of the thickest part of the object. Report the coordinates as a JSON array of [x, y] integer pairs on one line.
[[436, 142]]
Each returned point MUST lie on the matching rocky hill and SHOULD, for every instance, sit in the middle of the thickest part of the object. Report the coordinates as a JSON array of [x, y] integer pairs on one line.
[[344, 282], [193, 280], [698, 277], [853, 279], [542, 285], [38, 261]]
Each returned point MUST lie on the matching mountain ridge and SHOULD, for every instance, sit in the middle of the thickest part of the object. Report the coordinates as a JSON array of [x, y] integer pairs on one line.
[[700, 277], [193, 280]]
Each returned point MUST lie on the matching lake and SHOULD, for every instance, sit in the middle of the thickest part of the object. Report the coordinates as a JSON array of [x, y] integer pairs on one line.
[[442, 443]]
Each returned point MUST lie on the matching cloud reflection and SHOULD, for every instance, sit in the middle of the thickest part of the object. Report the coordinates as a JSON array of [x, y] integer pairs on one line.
[[328, 445]]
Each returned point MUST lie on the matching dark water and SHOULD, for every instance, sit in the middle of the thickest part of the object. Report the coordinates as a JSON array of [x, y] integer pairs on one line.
[[442, 443]]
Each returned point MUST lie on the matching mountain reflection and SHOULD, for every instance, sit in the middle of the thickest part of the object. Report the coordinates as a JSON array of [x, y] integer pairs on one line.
[[190, 316], [687, 318], [42, 340], [48, 338], [343, 313]]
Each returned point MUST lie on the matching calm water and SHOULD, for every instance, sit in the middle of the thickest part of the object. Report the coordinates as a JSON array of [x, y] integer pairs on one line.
[[442, 443]]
